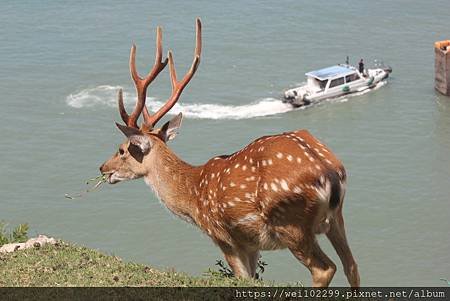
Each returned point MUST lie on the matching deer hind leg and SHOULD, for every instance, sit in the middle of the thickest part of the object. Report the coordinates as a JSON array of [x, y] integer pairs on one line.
[[321, 267], [253, 261], [239, 261], [337, 237]]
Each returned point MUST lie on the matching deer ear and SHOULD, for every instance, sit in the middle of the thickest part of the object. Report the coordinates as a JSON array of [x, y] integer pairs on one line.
[[136, 137], [128, 131], [142, 142], [170, 129]]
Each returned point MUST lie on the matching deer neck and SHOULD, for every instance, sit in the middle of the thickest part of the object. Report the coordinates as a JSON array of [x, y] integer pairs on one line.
[[173, 181]]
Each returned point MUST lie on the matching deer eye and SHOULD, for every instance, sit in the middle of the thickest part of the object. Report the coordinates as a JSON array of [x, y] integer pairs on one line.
[[121, 151]]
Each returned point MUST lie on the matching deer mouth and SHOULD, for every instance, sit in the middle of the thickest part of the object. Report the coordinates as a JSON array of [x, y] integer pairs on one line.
[[113, 178]]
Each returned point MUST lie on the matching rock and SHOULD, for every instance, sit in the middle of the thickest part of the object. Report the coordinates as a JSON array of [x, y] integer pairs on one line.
[[36, 242]]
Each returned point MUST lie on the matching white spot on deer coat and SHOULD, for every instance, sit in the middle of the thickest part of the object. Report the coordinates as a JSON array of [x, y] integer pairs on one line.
[[284, 185], [249, 218], [297, 190], [323, 192], [274, 187]]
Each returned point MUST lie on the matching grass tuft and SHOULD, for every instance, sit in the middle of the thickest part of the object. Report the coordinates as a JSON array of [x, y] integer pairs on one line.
[[18, 234]]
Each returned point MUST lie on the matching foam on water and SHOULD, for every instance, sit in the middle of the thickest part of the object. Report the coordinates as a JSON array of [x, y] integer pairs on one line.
[[260, 108], [100, 95], [106, 95]]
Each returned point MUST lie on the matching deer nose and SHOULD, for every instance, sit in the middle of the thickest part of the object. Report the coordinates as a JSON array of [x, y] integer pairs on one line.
[[101, 167]]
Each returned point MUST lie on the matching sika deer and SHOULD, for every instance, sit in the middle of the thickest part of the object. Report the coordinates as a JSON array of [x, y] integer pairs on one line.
[[278, 192]]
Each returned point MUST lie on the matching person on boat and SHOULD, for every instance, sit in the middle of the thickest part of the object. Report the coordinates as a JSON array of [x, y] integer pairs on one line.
[[361, 66]]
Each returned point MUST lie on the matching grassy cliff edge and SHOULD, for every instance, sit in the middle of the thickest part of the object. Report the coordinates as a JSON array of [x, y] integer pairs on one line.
[[66, 264]]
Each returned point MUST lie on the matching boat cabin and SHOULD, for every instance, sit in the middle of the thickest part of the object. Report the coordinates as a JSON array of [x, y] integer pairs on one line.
[[331, 77]]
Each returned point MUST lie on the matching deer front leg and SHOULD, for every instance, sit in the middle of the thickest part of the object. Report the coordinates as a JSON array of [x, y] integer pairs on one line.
[[321, 267]]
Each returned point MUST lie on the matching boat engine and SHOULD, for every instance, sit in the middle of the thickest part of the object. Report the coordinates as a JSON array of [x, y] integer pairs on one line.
[[296, 98], [295, 94], [290, 95]]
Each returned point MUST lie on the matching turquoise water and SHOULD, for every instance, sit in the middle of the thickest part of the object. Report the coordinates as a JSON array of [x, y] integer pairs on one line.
[[61, 63]]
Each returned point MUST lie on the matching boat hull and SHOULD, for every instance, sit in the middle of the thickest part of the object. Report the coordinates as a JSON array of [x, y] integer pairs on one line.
[[301, 96]]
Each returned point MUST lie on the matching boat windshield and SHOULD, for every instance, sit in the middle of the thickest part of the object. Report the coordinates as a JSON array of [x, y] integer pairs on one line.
[[315, 84], [322, 83]]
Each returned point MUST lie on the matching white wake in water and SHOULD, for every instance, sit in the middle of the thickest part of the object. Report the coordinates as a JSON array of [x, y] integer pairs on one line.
[[100, 95], [107, 95], [263, 107]]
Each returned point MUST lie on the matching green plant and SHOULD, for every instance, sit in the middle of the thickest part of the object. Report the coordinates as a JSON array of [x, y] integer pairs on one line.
[[261, 267], [3, 238], [226, 271], [18, 234], [99, 181]]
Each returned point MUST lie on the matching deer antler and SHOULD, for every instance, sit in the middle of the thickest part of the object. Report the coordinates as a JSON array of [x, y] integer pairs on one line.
[[141, 84], [177, 86]]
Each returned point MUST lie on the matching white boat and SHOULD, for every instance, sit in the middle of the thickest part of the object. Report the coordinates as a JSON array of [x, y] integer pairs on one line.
[[334, 81]]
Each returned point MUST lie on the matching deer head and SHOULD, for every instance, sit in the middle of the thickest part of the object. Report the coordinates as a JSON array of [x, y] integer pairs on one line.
[[134, 156]]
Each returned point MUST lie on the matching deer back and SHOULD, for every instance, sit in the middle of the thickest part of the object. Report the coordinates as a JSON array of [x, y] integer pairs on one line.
[[274, 181]]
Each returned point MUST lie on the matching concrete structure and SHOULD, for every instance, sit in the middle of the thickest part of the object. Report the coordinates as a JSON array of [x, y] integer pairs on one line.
[[442, 66]]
